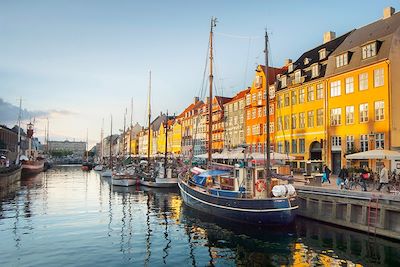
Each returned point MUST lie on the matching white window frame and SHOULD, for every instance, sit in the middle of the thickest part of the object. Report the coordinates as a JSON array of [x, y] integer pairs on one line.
[[379, 141], [310, 93], [342, 60], [349, 114], [369, 50], [364, 142], [379, 77], [320, 91], [349, 85], [310, 118], [336, 116], [363, 111], [315, 70], [379, 110], [336, 88], [363, 81]]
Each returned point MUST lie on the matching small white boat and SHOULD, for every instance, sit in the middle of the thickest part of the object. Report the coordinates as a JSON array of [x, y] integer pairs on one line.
[[160, 182], [123, 179]]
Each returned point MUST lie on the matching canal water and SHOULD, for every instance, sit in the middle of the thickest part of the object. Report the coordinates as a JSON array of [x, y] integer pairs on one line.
[[67, 217]]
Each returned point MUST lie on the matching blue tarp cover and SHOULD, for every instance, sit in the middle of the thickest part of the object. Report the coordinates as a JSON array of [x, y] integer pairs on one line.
[[213, 173], [199, 180]]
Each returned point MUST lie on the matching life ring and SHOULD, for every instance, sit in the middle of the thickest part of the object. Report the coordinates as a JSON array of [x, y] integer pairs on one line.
[[261, 185]]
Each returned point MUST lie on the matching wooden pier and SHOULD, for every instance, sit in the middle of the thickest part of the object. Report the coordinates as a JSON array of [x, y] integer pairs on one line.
[[372, 212]]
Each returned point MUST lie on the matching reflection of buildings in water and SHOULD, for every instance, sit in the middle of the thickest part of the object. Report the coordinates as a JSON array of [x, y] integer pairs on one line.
[[248, 245], [327, 245]]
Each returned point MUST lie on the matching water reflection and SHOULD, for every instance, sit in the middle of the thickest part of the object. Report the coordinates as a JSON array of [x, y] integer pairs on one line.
[[69, 217]]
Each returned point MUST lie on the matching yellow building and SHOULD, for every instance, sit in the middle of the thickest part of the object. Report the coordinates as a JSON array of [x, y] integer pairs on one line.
[[300, 105], [362, 89], [176, 136], [340, 97]]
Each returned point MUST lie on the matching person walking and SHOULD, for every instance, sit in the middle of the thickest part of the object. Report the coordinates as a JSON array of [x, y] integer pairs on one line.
[[343, 175], [326, 172], [383, 178], [363, 177]]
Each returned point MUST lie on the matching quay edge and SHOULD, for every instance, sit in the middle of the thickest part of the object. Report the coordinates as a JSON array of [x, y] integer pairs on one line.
[[351, 209]]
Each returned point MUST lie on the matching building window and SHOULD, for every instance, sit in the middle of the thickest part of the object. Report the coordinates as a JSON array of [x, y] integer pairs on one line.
[[320, 117], [259, 111], [341, 60], [320, 91], [248, 115], [271, 109], [286, 122], [364, 112], [349, 114], [302, 119], [253, 98], [368, 50], [286, 98], [258, 81], [294, 119], [364, 142], [253, 113], [280, 146], [248, 130], [379, 110], [259, 96], [379, 141], [294, 146], [297, 76], [336, 116], [301, 95], [271, 127], [349, 85], [302, 145], [310, 118], [283, 81], [290, 67], [248, 100], [310, 93], [294, 97], [322, 54], [349, 143], [279, 123], [271, 91], [363, 81], [378, 77], [279, 101], [335, 89], [315, 70], [336, 141], [287, 149]]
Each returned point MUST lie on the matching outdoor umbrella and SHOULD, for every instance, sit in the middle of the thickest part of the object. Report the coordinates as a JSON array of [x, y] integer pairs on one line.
[[375, 154]]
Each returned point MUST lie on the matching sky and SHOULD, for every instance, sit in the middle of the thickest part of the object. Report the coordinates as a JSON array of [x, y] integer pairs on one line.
[[78, 63]]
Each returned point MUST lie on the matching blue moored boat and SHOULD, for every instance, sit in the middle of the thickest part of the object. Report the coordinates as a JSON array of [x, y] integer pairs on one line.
[[243, 193]]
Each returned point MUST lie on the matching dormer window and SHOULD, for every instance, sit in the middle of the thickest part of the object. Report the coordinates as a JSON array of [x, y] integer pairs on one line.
[[315, 70], [342, 60], [290, 68], [322, 54], [306, 61], [297, 76], [369, 50], [283, 81]]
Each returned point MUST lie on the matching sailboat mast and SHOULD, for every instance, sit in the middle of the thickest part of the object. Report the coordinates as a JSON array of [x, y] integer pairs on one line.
[[130, 131], [124, 135], [166, 146], [19, 131], [48, 129], [101, 142], [149, 121], [111, 143], [211, 77], [87, 146], [267, 149]]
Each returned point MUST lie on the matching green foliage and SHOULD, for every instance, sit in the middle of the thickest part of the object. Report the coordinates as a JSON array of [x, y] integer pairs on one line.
[[61, 153]]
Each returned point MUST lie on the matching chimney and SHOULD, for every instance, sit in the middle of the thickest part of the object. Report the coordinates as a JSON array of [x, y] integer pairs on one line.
[[287, 61], [388, 12], [196, 99], [329, 36]]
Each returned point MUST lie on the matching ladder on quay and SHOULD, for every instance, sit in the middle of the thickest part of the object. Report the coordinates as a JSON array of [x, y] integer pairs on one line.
[[372, 220]]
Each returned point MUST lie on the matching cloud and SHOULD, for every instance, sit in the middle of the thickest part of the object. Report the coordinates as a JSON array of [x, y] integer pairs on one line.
[[9, 113]]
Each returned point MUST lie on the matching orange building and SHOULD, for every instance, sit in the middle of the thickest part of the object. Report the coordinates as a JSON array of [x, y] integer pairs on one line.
[[255, 107]]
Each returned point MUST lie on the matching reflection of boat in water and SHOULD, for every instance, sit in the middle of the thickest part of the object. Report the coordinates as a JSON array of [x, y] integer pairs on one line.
[[32, 162], [251, 246]]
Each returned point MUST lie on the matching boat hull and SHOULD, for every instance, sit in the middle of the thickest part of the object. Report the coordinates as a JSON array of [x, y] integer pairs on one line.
[[129, 181], [107, 173], [270, 211], [160, 182], [32, 167]]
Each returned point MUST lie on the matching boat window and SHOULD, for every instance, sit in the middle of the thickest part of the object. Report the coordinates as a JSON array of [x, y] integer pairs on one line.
[[260, 174], [237, 173]]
